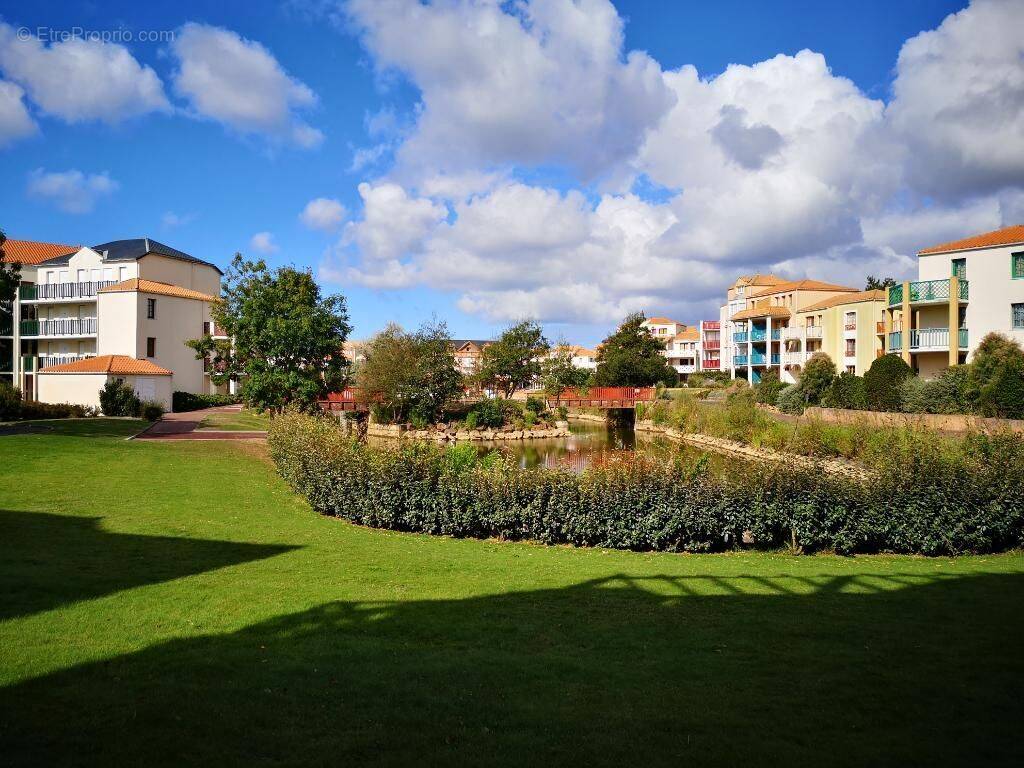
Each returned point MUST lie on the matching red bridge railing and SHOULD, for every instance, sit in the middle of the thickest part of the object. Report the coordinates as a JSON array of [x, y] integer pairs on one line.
[[604, 397]]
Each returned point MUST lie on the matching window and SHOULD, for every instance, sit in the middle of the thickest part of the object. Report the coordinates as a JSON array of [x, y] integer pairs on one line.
[[851, 321], [962, 317], [959, 268], [151, 309], [851, 369], [851, 347], [1018, 316], [150, 347], [1017, 265]]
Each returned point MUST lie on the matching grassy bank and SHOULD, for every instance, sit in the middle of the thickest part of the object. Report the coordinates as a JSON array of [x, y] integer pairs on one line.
[[173, 603]]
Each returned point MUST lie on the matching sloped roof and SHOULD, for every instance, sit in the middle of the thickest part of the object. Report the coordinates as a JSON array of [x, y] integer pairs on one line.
[[847, 298], [759, 279], [801, 285], [692, 333], [136, 248], [768, 311], [662, 321], [1004, 236], [116, 364], [32, 252], [479, 343], [152, 286]]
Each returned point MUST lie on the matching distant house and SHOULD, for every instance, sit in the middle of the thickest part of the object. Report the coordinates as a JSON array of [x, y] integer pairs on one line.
[[468, 353]]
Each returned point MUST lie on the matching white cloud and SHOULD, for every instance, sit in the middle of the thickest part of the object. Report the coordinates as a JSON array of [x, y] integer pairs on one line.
[[781, 165], [323, 213], [172, 220], [958, 101], [81, 80], [263, 242], [71, 191], [536, 82], [240, 84], [15, 122]]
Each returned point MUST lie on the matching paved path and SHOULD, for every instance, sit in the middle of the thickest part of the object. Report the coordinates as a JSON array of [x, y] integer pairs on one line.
[[184, 426]]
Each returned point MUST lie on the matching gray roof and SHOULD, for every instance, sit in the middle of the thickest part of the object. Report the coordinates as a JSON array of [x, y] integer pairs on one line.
[[479, 342], [133, 250]]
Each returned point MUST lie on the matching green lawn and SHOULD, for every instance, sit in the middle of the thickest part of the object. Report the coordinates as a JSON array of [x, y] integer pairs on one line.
[[244, 420], [173, 604]]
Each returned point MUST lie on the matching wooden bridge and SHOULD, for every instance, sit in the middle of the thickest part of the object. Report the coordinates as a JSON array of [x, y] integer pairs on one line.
[[349, 399], [603, 397]]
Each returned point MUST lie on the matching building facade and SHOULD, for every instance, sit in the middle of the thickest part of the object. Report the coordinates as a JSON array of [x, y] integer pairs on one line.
[[848, 327], [710, 347], [965, 290], [126, 300]]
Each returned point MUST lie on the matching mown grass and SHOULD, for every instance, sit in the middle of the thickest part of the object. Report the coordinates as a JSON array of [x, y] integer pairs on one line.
[[236, 421], [174, 604]]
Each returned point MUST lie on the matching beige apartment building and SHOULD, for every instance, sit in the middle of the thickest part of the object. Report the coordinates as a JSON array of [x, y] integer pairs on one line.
[[123, 309], [848, 327], [965, 290]]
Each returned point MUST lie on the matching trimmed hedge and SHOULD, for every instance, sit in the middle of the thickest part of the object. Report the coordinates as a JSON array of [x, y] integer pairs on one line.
[[186, 401], [934, 504]]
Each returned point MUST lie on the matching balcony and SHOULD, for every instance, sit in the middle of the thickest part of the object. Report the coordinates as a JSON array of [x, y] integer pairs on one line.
[[928, 292], [62, 291], [758, 358], [741, 337], [758, 334], [686, 368], [928, 340], [739, 360], [59, 327], [851, 326], [793, 333], [715, 344], [6, 325], [776, 334], [711, 325], [880, 328], [45, 361], [711, 365], [793, 358], [775, 358]]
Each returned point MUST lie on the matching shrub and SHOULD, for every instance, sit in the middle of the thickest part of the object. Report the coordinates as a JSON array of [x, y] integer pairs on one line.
[[529, 418], [187, 401], [536, 405], [32, 409], [563, 413], [10, 402], [769, 387], [846, 391], [882, 382], [491, 412], [928, 500], [817, 377], [791, 399], [151, 410], [997, 377], [471, 419], [118, 399]]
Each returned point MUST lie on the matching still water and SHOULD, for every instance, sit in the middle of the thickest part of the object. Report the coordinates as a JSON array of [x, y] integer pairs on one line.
[[590, 441]]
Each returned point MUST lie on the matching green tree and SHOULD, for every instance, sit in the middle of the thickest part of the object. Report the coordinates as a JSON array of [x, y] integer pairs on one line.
[[632, 357], [879, 283], [514, 360], [769, 387], [558, 372], [284, 338], [846, 391], [883, 381], [997, 377], [410, 376], [817, 377], [10, 274]]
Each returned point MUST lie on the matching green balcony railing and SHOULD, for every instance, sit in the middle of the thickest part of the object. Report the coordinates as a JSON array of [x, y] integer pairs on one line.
[[895, 341], [28, 363], [895, 295], [962, 333], [924, 291]]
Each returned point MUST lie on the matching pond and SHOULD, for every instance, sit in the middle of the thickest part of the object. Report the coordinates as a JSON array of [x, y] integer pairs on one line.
[[590, 441]]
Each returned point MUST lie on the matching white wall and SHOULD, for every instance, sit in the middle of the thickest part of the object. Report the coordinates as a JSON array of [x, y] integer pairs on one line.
[[198, 277], [991, 289], [75, 388]]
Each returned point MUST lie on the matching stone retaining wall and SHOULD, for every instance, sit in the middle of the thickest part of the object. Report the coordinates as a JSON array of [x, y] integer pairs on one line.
[[444, 434], [587, 416], [934, 421]]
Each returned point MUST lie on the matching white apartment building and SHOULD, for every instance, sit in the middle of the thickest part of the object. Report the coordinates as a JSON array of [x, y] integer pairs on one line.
[[122, 309], [710, 346], [965, 290]]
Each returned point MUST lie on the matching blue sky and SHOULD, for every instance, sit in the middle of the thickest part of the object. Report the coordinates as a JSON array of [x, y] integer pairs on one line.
[[210, 161]]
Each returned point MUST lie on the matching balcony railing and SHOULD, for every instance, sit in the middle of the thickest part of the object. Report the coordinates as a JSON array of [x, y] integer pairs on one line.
[[711, 364], [757, 358], [740, 337], [28, 363], [45, 361], [924, 339], [928, 291], [62, 291], [775, 358], [851, 326], [712, 344], [739, 360], [813, 331], [776, 334], [758, 334], [6, 326], [61, 326], [879, 327], [711, 325], [793, 358]]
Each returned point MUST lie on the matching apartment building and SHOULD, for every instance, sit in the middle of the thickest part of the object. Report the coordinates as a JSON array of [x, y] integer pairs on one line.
[[683, 351], [757, 327], [848, 327], [710, 347], [737, 296], [468, 353], [965, 290], [121, 309]]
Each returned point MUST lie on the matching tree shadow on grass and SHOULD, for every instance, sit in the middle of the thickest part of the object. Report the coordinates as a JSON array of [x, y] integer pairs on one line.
[[864, 670], [49, 560]]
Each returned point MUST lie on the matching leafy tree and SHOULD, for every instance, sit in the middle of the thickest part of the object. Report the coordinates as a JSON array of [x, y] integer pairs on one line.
[[410, 376], [633, 357], [10, 274], [883, 380], [817, 377], [846, 391], [879, 283], [284, 338], [997, 377], [514, 360], [558, 372], [769, 387]]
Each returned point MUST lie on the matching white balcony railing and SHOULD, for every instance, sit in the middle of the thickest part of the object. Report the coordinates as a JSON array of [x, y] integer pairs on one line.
[[45, 361], [813, 331], [62, 291], [61, 326]]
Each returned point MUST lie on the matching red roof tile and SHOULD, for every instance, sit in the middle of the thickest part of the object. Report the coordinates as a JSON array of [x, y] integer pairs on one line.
[[1004, 236], [152, 286], [116, 364], [31, 252]]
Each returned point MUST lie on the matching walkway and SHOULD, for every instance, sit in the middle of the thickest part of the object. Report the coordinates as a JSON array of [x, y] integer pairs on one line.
[[185, 426]]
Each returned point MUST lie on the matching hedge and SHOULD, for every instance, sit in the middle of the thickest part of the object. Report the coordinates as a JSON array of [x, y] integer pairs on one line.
[[936, 505], [186, 401]]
